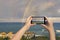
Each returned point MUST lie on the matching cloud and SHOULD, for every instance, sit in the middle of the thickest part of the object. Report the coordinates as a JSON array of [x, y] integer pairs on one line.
[[46, 5], [12, 8], [27, 9], [55, 19], [11, 20], [19, 8], [36, 9], [58, 11]]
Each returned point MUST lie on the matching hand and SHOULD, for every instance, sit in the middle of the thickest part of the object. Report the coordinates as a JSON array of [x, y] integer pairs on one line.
[[49, 25], [28, 21], [21, 32]]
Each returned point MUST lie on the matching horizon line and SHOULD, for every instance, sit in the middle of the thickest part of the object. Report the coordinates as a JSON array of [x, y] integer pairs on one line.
[[55, 19]]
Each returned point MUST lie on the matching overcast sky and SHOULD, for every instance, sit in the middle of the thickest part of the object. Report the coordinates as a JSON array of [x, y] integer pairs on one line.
[[17, 9]]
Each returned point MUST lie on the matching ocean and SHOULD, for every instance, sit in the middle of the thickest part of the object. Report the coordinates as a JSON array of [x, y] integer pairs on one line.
[[15, 26]]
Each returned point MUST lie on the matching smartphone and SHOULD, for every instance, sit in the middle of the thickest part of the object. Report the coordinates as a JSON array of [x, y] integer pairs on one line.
[[38, 20]]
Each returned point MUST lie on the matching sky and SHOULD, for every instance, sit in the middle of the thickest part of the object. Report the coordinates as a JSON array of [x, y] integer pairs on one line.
[[18, 9]]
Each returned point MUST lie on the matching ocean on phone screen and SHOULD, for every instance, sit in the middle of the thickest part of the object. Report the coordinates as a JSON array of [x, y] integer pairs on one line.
[[38, 29]]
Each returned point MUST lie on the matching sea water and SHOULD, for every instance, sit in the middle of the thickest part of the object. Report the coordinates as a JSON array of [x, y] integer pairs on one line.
[[15, 26]]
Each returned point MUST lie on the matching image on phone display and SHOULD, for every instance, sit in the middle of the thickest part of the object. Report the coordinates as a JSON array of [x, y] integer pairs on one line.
[[38, 20]]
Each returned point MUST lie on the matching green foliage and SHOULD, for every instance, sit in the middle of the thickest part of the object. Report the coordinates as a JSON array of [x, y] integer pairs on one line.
[[40, 38], [34, 38], [1, 38], [6, 38], [58, 38], [23, 38]]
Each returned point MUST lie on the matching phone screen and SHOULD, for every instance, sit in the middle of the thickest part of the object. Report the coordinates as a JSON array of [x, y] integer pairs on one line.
[[38, 20]]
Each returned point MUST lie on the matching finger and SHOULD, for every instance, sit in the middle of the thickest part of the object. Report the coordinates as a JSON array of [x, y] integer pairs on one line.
[[44, 26], [33, 24], [47, 20], [29, 17], [30, 20]]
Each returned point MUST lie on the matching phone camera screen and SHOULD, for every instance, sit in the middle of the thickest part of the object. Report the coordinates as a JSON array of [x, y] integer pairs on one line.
[[37, 20]]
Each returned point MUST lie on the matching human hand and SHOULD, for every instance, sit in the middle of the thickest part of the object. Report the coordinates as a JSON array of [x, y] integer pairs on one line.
[[21, 32], [28, 21], [49, 25]]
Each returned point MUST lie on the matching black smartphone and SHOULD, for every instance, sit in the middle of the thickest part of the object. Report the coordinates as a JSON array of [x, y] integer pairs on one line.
[[38, 20]]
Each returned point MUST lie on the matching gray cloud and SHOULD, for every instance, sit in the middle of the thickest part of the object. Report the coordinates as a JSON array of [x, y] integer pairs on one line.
[[16, 8], [12, 8]]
